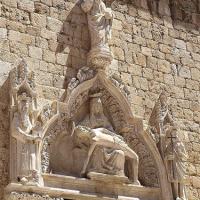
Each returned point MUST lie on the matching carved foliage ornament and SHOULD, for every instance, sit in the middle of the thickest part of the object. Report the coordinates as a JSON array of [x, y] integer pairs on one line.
[[25, 196], [84, 74]]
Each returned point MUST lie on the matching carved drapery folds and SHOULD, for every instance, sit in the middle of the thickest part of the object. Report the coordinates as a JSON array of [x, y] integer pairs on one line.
[[147, 168], [27, 126], [165, 133], [92, 132], [89, 100], [100, 20], [23, 121], [107, 150]]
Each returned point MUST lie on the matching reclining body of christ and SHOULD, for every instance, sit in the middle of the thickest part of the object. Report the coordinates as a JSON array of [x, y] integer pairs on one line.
[[105, 138], [107, 151]]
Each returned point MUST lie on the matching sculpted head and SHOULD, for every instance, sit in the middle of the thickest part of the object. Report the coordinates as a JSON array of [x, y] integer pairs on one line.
[[174, 132], [83, 134], [79, 75], [163, 98], [96, 106], [24, 103]]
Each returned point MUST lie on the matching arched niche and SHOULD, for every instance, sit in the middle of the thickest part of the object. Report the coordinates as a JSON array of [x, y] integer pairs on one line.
[[152, 171]]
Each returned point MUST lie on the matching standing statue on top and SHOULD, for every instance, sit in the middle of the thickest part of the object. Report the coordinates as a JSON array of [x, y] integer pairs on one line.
[[100, 20]]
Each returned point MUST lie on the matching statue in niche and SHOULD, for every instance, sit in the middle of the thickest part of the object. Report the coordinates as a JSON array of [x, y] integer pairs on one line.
[[175, 154], [169, 145], [106, 150], [27, 126], [100, 23], [159, 118], [28, 138]]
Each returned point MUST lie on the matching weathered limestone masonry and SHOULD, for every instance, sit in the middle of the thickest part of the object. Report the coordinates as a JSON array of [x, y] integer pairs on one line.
[[155, 44]]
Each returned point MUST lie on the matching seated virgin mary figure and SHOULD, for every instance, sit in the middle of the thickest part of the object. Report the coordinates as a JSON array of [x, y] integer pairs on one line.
[[107, 150]]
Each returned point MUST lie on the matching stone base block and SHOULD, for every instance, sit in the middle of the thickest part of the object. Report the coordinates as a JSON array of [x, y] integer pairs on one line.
[[100, 57], [107, 178], [58, 187]]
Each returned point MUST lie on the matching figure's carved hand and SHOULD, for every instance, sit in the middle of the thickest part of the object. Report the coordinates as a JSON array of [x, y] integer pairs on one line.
[[28, 137], [162, 135], [108, 13], [38, 139]]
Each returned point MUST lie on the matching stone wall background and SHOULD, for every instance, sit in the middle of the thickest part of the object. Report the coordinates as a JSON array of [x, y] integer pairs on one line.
[[155, 43]]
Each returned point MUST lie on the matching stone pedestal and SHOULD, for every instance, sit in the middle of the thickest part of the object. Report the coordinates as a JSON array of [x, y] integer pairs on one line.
[[100, 58], [66, 187], [106, 178]]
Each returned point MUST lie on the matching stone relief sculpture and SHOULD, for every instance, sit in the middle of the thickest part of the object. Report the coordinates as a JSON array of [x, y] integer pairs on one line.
[[98, 140], [172, 150], [100, 23], [159, 118], [27, 142], [107, 150], [23, 118], [97, 147], [175, 155], [27, 126]]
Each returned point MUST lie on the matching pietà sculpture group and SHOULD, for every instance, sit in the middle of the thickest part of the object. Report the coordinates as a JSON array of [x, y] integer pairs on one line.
[[94, 138]]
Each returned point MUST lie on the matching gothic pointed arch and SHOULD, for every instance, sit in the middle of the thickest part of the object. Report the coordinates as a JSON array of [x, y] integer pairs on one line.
[[152, 171]]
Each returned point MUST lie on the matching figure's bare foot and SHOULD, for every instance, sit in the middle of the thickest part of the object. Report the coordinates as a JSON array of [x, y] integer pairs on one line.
[[33, 183], [29, 182], [24, 180], [82, 174], [137, 182]]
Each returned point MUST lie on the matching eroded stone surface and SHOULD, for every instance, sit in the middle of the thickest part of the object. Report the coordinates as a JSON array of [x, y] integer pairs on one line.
[[174, 45]]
